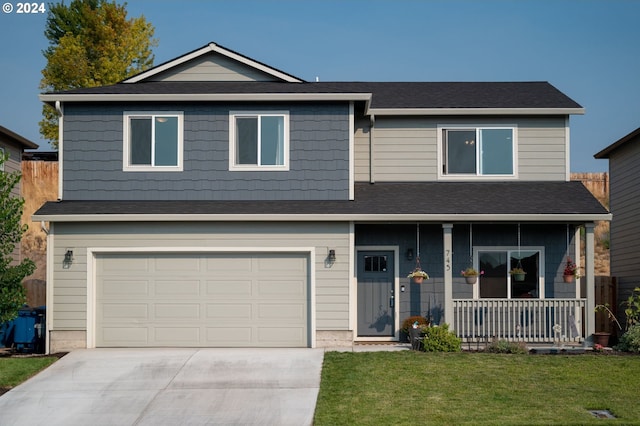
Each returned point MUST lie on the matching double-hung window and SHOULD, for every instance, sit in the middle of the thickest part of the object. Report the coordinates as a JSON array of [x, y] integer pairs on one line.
[[153, 141], [259, 140], [478, 151]]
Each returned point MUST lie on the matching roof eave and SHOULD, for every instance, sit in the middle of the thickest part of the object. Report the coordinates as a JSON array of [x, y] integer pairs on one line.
[[617, 144], [475, 111], [556, 217], [200, 97], [16, 138]]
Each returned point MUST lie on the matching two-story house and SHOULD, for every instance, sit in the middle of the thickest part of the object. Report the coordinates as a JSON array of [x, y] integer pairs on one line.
[[214, 200]]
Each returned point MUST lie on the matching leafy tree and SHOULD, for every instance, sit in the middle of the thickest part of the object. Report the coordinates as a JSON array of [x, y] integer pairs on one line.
[[12, 292], [91, 43]]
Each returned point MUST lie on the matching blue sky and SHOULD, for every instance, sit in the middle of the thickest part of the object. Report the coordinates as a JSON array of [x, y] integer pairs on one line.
[[590, 50]]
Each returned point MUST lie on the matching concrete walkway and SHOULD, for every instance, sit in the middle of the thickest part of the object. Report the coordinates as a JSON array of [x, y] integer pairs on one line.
[[170, 387]]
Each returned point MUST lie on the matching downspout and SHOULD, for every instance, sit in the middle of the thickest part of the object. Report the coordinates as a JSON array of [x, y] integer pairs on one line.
[[60, 111], [371, 172]]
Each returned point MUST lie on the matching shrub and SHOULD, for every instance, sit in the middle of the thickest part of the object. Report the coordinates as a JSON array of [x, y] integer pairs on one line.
[[630, 340], [440, 339], [501, 346], [408, 322]]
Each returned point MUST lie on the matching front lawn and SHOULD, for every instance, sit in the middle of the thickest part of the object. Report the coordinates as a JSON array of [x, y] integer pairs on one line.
[[408, 387], [16, 370]]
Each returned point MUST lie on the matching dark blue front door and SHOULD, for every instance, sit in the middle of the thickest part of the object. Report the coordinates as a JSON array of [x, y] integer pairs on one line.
[[375, 294]]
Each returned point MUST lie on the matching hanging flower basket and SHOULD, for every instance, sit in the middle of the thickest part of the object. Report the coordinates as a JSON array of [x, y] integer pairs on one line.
[[418, 276], [571, 271], [471, 275], [518, 274]]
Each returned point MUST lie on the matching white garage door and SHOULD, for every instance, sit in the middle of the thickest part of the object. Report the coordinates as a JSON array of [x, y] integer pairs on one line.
[[202, 300]]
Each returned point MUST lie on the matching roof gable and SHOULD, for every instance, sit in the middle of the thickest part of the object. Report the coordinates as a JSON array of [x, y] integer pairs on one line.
[[213, 62], [633, 136]]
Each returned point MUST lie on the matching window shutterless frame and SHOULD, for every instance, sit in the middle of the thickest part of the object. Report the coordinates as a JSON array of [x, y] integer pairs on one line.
[[258, 140], [482, 152], [153, 141]]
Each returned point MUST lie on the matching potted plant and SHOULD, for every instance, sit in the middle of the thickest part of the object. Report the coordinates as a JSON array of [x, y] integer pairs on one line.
[[471, 275], [418, 275], [571, 271], [602, 337], [412, 325], [517, 273]]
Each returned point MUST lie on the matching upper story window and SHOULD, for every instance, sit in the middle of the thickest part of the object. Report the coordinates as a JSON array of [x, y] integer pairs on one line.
[[153, 141], [478, 151], [259, 140]]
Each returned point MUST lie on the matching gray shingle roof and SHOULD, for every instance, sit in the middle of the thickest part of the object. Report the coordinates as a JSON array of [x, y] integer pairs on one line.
[[384, 94], [431, 198]]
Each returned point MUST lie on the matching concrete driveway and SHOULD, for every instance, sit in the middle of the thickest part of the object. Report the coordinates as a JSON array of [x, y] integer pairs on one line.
[[170, 387]]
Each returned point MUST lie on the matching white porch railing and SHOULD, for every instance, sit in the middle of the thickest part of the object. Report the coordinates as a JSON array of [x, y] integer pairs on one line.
[[522, 320]]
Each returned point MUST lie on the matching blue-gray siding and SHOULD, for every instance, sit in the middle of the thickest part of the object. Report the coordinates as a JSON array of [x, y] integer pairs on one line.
[[93, 156]]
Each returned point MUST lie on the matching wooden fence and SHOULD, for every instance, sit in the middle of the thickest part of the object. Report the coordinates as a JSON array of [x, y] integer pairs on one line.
[[606, 294]]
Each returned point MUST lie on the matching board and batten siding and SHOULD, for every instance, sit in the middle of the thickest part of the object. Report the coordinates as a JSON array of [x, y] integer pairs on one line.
[[318, 165], [624, 201], [331, 283], [406, 148], [212, 67]]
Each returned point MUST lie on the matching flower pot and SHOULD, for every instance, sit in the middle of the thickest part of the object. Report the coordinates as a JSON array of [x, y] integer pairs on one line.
[[471, 279], [518, 277], [568, 278], [601, 338], [418, 279]]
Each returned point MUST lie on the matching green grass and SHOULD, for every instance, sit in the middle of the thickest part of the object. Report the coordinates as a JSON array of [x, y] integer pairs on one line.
[[405, 388], [14, 371]]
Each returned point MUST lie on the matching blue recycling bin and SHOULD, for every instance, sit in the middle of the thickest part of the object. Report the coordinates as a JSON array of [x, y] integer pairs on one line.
[[28, 332]]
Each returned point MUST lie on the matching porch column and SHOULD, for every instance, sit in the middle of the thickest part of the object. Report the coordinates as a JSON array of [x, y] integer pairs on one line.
[[447, 229], [589, 276]]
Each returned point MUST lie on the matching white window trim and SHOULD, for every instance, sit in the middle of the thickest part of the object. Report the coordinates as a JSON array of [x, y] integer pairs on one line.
[[126, 166], [541, 268], [232, 141], [467, 177]]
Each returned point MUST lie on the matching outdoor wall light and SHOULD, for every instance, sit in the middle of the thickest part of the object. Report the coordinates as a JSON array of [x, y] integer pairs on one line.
[[332, 256], [68, 259], [410, 254]]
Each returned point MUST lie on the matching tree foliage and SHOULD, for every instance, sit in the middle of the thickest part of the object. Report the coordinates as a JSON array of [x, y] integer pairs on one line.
[[12, 292], [91, 43]]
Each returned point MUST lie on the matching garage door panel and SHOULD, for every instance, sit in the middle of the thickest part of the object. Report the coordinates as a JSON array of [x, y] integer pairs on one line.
[[121, 336], [177, 311], [270, 312], [288, 289], [177, 263], [235, 287], [177, 287], [125, 311], [188, 336], [230, 311], [206, 300], [118, 287]]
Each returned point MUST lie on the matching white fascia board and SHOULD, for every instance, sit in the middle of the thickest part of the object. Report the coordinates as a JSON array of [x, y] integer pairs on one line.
[[323, 218], [250, 62], [210, 97], [160, 68], [474, 111], [212, 47]]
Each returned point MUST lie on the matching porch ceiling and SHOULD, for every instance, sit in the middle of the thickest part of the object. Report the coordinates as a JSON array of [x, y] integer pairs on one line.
[[429, 201]]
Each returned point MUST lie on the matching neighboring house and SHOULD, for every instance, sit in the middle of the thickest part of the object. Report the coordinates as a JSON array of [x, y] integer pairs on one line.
[[14, 145], [624, 202], [216, 201]]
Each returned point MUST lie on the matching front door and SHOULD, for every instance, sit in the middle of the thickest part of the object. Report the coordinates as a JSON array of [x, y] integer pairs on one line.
[[376, 298]]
